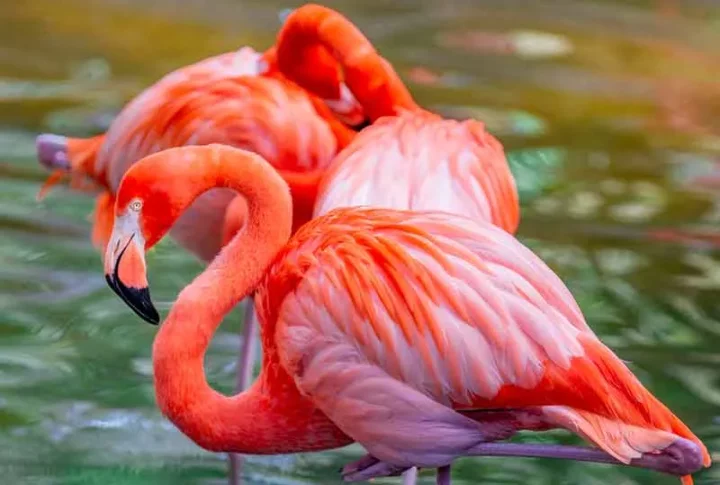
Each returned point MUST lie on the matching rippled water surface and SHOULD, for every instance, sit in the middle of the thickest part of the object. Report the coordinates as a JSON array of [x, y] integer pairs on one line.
[[609, 111]]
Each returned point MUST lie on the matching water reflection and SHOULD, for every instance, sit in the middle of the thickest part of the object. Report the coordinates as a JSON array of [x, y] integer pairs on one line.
[[609, 115]]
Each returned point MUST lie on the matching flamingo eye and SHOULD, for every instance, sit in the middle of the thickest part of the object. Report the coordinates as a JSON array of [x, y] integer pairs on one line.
[[135, 205]]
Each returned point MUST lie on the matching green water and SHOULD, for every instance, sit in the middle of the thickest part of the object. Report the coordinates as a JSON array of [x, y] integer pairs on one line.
[[609, 111]]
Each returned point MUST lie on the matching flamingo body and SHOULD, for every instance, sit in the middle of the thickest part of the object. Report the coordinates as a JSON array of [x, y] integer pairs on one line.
[[394, 320], [409, 158], [424, 336], [234, 99]]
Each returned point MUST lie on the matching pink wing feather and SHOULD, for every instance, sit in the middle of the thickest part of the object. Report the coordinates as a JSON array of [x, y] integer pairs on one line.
[[220, 100], [419, 161], [398, 312]]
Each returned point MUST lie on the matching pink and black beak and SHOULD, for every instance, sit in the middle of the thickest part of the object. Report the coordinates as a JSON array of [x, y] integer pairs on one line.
[[125, 272]]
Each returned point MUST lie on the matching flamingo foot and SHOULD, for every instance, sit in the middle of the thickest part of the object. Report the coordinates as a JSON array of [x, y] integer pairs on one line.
[[369, 467], [410, 476], [52, 151], [681, 458]]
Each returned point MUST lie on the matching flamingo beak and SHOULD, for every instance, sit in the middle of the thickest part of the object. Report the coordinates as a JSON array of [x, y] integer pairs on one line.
[[348, 109], [125, 273]]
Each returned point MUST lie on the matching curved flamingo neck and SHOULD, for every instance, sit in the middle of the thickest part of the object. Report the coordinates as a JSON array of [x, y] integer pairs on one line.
[[304, 189], [242, 423], [312, 29]]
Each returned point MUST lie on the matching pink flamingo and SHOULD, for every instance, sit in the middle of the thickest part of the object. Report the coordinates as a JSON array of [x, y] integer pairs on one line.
[[408, 158], [237, 98], [424, 336]]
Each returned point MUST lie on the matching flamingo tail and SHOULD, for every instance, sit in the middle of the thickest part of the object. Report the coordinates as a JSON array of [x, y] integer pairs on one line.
[[633, 422]]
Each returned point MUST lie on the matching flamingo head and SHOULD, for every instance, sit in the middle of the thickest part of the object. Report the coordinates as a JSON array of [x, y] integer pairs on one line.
[[125, 269], [347, 109], [144, 213]]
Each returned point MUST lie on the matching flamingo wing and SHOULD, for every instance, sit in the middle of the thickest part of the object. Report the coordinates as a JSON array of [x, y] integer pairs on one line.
[[265, 115], [268, 116], [418, 162], [130, 136], [409, 315]]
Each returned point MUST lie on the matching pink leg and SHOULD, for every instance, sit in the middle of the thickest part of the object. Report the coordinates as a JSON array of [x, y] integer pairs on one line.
[[369, 467], [410, 476], [359, 397], [246, 359], [443, 475], [683, 457]]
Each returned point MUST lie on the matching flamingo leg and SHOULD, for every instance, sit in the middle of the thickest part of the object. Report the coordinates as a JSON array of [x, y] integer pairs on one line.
[[246, 359], [443, 475], [410, 476], [425, 433], [680, 458]]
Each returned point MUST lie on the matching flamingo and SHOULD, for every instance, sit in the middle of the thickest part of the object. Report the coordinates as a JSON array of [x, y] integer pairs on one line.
[[408, 158], [423, 336], [238, 98], [412, 161]]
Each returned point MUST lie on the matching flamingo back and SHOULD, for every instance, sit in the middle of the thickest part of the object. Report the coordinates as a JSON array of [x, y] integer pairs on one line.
[[222, 100], [419, 161]]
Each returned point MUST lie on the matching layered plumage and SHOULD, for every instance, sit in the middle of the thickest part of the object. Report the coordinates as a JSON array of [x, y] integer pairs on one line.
[[238, 99], [408, 158], [424, 336], [419, 161], [435, 306]]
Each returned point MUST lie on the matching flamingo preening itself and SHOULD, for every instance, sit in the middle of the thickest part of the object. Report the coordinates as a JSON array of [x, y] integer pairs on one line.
[[408, 158]]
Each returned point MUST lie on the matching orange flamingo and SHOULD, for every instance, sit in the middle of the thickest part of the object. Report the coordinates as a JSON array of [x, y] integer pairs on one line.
[[414, 160], [409, 158], [237, 98], [424, 336]]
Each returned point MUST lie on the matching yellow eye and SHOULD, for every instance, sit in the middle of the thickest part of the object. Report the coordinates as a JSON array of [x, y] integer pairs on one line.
[[136, 205]]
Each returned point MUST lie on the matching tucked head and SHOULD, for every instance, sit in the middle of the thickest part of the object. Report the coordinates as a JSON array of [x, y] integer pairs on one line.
[[328, 85]]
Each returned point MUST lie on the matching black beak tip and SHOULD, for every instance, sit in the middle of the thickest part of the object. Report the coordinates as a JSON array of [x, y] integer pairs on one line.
[[136, 298], [143, 304]]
